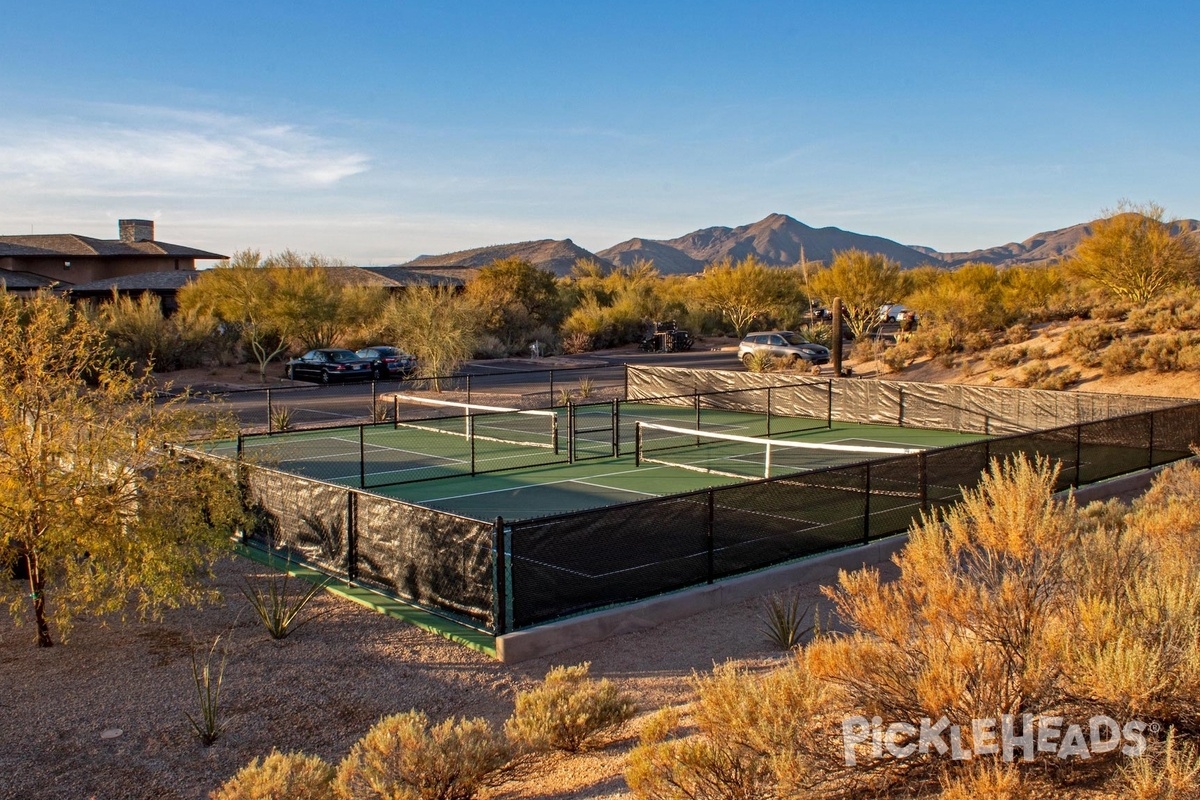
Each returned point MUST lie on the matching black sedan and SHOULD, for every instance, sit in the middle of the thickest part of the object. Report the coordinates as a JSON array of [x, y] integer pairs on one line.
[[388, 362], [328, 365]]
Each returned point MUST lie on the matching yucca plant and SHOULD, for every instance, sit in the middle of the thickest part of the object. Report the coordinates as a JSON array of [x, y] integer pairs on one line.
[[209, 726], [564, 397], [278, 608], [783, 618], [759, 361], [586, 387], [281, 418]]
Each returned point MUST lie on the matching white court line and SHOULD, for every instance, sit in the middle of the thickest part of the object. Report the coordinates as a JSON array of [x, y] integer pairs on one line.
[[615, 488], [530, 486]]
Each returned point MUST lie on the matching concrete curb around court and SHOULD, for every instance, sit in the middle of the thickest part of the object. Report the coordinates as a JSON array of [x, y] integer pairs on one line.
[[555, 637]]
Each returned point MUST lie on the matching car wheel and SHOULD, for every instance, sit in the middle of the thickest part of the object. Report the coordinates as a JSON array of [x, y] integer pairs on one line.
[[747, 358], [376, 373], [325, 376]]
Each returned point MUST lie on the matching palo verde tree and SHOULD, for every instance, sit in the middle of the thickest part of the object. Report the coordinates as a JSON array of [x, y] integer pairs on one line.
[[435, 324], [747, 291], [1136, 254], [95, 509], [244, 291], [864, 281], [515, 299]]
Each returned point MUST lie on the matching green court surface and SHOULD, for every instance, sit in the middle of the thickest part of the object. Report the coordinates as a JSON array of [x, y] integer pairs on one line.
[[522, 462]]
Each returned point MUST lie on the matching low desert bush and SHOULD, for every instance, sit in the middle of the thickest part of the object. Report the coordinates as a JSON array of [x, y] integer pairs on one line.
[[976, 341], [578, 342], [1120, 358], [994, 780], [280, 776], [1005, 357], [865, 350], [900, 356], [1040, 375], [569, 711], [1168, 771], [403, 758], [1016, 334], [1084, 342], [1161, 353], [490, 346]]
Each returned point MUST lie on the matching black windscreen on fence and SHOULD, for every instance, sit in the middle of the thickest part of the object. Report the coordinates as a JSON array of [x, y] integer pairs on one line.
[[555, 566]]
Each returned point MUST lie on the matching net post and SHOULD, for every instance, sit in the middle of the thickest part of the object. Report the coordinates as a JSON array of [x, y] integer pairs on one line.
[[616, 427], [351, 536], [362, 457], [570, 433], [768, 411], [696, 402], [767, 461], [867, 503], [471, 438], [637, 443], [396, 411], [270, 413], [923, 481], [709, 537], [500, 611], [829, 408]]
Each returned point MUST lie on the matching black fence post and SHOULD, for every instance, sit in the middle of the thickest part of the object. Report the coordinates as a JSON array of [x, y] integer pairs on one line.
[[551, 388], [867, 503], [241, 445], [471, 439], [374, 400], [923, 481], [637, 444], [625, 391], [829, 410], [351, 536], [500, 612], [900, 419], [270, 413], [710, 535], [362, 457], [1078, 453], [1150, 455], [396, 410], [468, 387], [768, 411]]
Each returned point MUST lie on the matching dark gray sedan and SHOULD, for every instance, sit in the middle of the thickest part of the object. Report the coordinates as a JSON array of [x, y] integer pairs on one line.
[[328, 365]]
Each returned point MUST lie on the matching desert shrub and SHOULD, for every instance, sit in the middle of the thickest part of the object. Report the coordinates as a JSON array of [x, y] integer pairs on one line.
[[1016, 334], [1040, 375], [820, 333], [1083, 342], [280, 776], [1170, 771], [865, 350], [1004, 357], [403, 758], [760, 361], [141, 335], [569, 711], [898, 357], [975, 341], [578, 342], [937, 340], [1110, 311], [1189, 357], [995, 780], [1120, 358], [758, 736], [946, 360], [1161, 353], [489, 346], [783, 617]]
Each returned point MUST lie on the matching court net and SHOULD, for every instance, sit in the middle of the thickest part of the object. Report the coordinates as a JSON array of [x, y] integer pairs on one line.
[[477, 422], [735, 456]]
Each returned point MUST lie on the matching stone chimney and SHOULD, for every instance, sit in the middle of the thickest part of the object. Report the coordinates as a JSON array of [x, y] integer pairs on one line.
[[136, 230]]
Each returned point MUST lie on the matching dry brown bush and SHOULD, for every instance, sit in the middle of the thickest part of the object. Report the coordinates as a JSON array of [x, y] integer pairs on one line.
[[569, 711], [293, 776]]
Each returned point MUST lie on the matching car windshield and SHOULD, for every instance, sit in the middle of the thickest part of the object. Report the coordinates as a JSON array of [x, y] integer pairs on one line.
[[342, 355], [794, 338], [386, 351]]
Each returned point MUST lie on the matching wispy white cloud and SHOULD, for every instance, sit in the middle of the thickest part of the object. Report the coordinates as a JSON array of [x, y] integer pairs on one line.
[[144, 150]]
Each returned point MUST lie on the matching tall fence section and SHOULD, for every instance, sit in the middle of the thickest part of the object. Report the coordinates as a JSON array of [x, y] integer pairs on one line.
[[502, 576]]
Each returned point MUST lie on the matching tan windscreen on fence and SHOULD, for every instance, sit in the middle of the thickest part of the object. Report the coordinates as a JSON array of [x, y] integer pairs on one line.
[[970, 409]]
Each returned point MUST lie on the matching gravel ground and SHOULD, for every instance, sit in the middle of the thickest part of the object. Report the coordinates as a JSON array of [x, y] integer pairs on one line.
[[318, 691]]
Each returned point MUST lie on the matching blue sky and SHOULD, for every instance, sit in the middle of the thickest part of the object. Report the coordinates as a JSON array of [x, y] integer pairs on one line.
[[377, 131]]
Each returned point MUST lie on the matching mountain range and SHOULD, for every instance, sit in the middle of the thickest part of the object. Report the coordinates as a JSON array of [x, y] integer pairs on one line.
[[777, 240]]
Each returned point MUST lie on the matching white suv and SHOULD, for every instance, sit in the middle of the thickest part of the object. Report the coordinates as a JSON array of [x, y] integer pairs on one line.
[[787, 346]]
